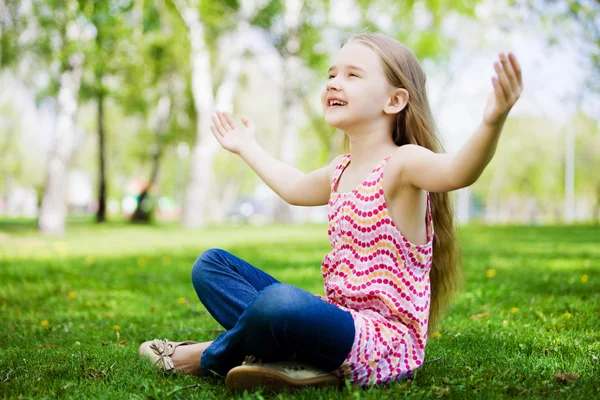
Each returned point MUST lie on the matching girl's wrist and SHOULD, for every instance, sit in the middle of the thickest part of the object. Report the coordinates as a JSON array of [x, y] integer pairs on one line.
[[497, 124], [249, 147]]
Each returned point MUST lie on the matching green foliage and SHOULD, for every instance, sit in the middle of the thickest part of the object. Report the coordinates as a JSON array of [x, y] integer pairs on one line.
[[11, 28], [151, 18], [311, 35], [525, 324], [218, 17], [266, 16]]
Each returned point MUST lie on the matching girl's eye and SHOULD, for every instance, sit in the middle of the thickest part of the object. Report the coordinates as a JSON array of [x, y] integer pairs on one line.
[[333, 76]]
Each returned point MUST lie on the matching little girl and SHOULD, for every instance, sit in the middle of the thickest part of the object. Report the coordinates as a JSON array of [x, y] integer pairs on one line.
[[392, 267]]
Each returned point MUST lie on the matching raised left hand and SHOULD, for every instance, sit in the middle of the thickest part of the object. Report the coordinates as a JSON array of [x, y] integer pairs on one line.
[[508, 86]]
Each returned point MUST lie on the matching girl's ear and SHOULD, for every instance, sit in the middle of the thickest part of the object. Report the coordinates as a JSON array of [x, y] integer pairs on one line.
[[397, 102]]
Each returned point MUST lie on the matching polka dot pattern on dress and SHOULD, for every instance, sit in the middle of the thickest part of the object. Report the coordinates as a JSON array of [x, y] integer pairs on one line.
[[381, 278]]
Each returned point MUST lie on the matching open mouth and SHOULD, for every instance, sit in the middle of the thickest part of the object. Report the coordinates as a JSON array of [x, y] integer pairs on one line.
[[334, 104]]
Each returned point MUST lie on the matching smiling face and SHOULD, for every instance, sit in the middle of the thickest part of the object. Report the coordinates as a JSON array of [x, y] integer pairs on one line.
[[356, 77]]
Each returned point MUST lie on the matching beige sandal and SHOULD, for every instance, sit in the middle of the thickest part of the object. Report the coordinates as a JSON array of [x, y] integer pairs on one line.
[[160, 352], [277, 376]]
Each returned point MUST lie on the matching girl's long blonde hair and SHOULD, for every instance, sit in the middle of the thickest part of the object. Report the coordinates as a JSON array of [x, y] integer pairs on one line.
[[415, 125]]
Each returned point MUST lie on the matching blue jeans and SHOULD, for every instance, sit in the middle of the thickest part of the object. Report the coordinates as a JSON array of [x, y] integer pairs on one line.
[[270, 320]]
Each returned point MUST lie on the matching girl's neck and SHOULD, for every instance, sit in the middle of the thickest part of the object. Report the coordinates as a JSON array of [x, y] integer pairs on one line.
[[370, 148]]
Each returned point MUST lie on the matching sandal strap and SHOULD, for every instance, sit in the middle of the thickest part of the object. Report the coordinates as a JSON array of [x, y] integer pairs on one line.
[[164, 350]]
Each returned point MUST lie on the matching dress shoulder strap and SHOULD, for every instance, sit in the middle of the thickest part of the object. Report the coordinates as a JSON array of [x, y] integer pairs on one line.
[[338, 170]]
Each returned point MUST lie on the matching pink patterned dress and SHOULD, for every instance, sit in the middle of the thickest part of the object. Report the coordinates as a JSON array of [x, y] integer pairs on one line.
[[381, 278]]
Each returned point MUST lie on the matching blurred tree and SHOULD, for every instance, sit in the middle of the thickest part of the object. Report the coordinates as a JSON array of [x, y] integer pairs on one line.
[[532, 189], [111, 20], [576, 25], [11, 27], [219, 18], [159, 67], [577, 22], [10, 162], [12, 24], [57, 35], [296, 47]]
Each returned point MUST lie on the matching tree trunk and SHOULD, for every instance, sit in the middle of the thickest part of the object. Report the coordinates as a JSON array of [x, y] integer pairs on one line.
[[201, 169], [202, 154], [54, 208], [220, 201], [101, 213], [163, 113], [291, 64]]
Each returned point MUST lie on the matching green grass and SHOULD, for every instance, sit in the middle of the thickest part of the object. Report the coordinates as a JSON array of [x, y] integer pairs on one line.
[[534, 292]]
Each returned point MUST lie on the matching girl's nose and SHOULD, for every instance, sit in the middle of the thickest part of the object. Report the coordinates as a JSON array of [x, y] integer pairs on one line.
[[332, 84]]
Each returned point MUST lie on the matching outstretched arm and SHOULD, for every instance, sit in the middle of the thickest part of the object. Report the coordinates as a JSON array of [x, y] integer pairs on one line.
[[433, 172], [292, 185]]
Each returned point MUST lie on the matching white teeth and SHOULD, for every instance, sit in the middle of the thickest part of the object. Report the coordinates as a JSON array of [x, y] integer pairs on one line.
[[336, 103]]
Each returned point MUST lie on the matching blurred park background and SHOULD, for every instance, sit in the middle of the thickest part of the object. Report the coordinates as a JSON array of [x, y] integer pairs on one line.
[[104, 120], [105, 105]]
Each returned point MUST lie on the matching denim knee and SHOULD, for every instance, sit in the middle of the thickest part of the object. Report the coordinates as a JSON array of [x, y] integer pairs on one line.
[[274, 303], [205, 260]]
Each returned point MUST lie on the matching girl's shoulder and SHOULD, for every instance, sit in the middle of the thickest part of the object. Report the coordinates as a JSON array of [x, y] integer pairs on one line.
[[400, 156]]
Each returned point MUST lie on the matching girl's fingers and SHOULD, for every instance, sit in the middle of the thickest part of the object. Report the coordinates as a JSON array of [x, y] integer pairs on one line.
[[498, 92], [516, 67], [510, 73], [503, 81], [217, 124], [216, 134], [223, 120], [229, 120]]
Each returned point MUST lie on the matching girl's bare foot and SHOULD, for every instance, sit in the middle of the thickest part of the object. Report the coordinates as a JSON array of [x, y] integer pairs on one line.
[[187, 358]]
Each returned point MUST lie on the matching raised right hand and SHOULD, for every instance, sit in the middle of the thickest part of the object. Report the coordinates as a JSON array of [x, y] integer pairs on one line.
[[231, 137]]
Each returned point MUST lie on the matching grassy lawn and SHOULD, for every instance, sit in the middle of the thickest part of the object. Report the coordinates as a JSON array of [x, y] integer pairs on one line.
[[74, 310]]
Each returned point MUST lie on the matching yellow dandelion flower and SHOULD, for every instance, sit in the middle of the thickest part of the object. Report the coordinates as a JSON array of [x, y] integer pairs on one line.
[[72, 295], [142, 261], [514, 310], [44, 323], [116, 327], [436, 335], [567, 314], [90, 260], [181, 300], [584, 278], [490, 273]]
